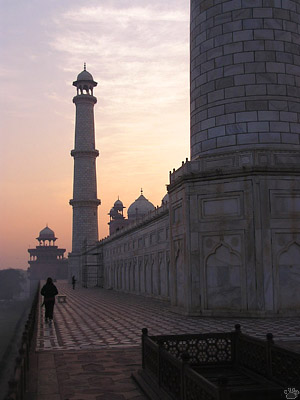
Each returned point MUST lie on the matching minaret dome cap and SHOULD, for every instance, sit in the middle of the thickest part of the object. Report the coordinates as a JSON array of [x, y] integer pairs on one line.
[[85, 76], [118, 205]]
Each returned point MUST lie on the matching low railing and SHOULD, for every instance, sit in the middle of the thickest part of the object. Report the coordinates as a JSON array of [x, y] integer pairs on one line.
[[169, 359], [284, 366], [172, 363], [170, 374], [253, 353], [207, 348], [197, 387], [150, 361], [18, 383]]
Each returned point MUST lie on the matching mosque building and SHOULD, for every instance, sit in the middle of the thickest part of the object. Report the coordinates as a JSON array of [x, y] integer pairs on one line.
[[137, 210], [47, 259], [226, 239]]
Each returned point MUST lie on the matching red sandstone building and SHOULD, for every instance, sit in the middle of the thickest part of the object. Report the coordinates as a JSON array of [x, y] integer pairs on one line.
[[47, 259]]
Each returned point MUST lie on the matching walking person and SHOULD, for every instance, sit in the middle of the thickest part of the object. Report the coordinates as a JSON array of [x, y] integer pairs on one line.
[[49, 291], [73, 281]]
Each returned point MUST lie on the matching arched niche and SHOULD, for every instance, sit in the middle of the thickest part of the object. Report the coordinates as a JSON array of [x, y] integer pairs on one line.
[[288, 273], [223, 274]]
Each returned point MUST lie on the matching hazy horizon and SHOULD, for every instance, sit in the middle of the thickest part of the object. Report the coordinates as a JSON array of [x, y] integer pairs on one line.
[[138, 52]]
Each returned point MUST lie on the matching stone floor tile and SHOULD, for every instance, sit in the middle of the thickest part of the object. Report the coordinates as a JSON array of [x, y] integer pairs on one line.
[[49, 397], [94, 344], [111, 396], [132, 395]]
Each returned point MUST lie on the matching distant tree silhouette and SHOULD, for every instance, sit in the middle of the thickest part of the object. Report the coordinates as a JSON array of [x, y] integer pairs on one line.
[[11, 283]]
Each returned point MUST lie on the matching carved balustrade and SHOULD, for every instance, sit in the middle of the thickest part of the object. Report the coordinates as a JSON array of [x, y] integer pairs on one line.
[[201, 366]]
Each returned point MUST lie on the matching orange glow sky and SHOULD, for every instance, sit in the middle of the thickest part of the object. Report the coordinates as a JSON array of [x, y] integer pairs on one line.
[[138, 52]]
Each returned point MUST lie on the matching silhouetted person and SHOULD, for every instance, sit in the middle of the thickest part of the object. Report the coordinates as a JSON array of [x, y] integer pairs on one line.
[[73, 281], [49, 291]]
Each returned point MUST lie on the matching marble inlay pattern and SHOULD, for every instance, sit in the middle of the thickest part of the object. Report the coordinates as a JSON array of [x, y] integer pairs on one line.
[[98, 318]]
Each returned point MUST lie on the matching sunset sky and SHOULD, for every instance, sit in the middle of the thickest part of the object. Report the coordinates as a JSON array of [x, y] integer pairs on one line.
[[138, 52]]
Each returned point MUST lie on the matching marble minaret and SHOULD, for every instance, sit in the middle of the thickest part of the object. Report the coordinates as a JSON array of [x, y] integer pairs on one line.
[[84, 202], [235, 206]]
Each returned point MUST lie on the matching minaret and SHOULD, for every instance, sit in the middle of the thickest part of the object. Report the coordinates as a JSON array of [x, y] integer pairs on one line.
[[235, 206], [84, 202]]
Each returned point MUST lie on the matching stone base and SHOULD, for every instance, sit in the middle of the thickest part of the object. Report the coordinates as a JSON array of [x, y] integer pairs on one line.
[[235, 240]]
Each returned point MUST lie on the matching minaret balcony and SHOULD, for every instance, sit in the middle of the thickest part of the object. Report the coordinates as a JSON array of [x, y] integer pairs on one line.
[[85, 153], [84, 203]]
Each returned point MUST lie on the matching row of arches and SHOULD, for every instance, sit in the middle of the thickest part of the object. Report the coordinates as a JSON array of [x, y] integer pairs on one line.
[[147, 274]]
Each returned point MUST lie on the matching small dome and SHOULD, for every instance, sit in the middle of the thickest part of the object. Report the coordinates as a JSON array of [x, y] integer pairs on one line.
[[46, 234], [118, 205], [112, 212], [139, 208], [165, 199], [85, 76]]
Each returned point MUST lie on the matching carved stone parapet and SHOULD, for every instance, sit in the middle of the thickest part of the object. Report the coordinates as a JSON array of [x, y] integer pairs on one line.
[[239, 162]]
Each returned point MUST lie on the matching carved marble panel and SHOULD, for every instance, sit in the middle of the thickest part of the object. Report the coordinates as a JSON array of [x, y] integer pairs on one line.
[[141, 275], [168, 272], [224, 274], [155, 274], [177, 214], [179, 272], [288, 270], [162, 274], [149, 274], [285, 205], [246, 159], [287, 158], [230, 206], [218, 162]]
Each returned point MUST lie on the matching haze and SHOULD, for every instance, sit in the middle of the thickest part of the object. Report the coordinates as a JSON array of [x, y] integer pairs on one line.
[[138, 52]]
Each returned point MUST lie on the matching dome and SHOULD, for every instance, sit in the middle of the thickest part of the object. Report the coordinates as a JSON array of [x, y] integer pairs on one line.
[[118, 205], [165, 199], [112, 212], [85, 76], [47, 233], [139, 208]]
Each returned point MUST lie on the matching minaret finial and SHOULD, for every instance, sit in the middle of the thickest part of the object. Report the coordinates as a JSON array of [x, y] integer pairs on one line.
[[141, 190], [84, 66]]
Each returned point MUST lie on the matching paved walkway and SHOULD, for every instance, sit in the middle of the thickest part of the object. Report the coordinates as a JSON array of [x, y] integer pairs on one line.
[[93, 345]]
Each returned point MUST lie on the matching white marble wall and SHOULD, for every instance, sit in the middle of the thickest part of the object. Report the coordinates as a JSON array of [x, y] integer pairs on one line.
[[239, 231], [245, 75], [137, 258]]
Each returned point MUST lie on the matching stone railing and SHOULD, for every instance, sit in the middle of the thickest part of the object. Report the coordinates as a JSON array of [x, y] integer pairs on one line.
[[18, 382], [212, 366]]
